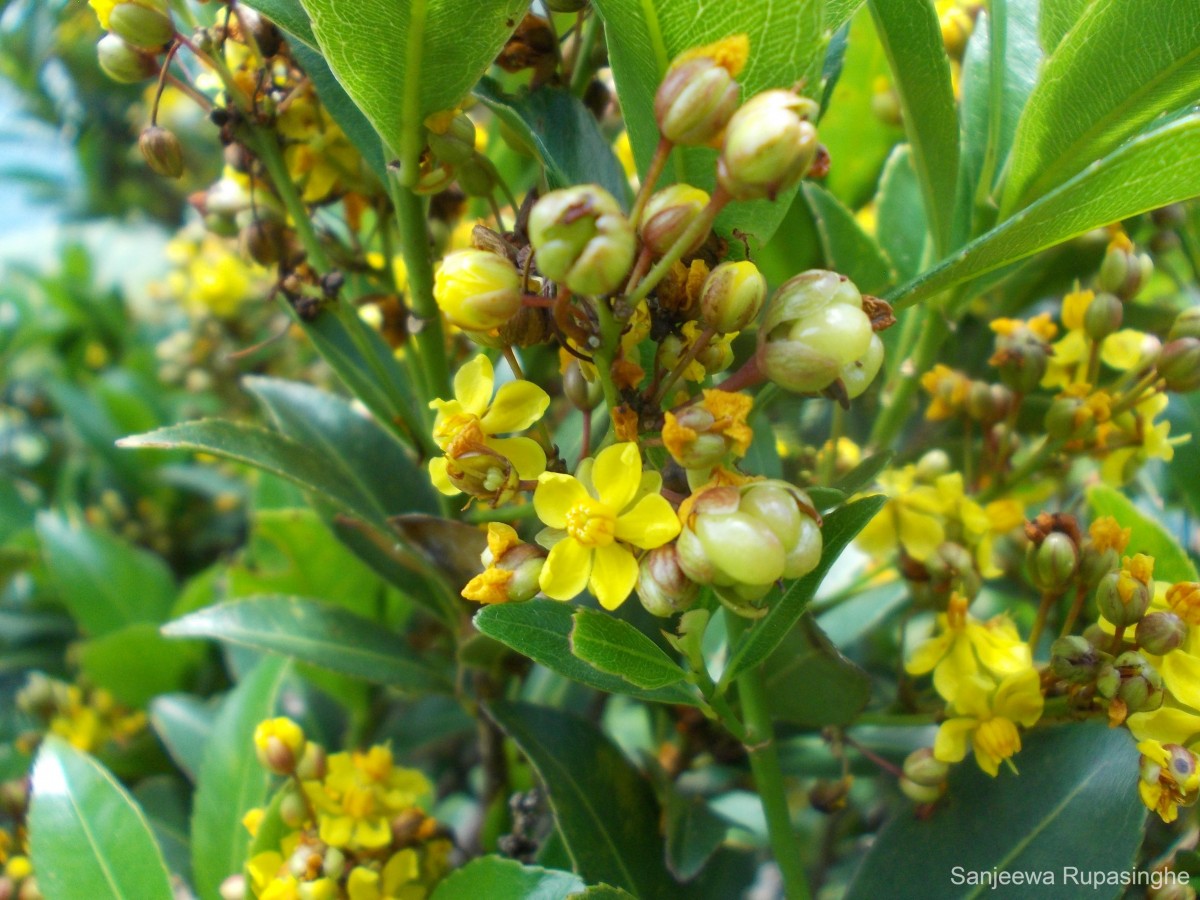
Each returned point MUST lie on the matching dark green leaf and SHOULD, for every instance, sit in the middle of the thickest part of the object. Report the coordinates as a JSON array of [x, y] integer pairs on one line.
[[164, 799], [840, 528], [498, 878], [901, 214], [1123, 64], [616, 647], [136, 663], [1075, 804], [694, 832], [540, 630], [317, 633], [912, 39], [811, 683], [565, 135], [89, 837], [846, 247], [602, 892], [232, 781], [1184, 413], [863, 475], [183, 723], [605, 809], [104, 582], [1171, 562]]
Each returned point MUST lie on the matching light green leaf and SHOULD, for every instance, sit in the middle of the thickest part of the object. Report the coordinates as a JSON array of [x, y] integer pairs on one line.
[[1074, 804], [846, 247], [136, 663], [840, 528], [839, 12], [1124, 64], [912, 39], [498, 878], [809, 682], [402, 60], [786, 47], [614, 646], [316, 633], [1171, 562], [541, 629], [1056, 18], [900, 215], [89, 837], [183, 723], [232, 781], [605, 810], [602, 892], [104, 582], [1152, 170]]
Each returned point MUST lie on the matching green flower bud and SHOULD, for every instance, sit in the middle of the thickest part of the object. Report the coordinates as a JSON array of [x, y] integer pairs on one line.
[[452, 138], [829, 796], [858, 375], [988, 402], [662, 586], [477, 290], [769, 145], [1103, 316], [293, 811], [1122, 599], [162, 152], [732, 296], [313, 763], [1053, 565], [932, 465], [814, 332], [264, 241], [583, 394], [921, 793], [142, 24], [1075, 660], [1179, 364], [1067, 418], [1161, 632], [333, 865], [923, 768], [694, 102], [1124, 271], [582, 239], [1133, 681], [1022, 359], [1186, 324], [668, 215], [123, 63], [477, 176], [951, 567]]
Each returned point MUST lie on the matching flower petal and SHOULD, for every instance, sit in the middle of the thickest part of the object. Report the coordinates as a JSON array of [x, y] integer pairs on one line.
[[1181, 673], [565, 574], [526, 454], [1019, 697], [1166, 724], [649, 524], [554, 497], [950, 745], [517, 405], [439, 477], [473, 385], [617, 474], [928, 655], [614, 572]]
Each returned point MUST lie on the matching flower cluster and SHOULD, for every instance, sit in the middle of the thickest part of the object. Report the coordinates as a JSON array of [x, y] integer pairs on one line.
[[87, 717]]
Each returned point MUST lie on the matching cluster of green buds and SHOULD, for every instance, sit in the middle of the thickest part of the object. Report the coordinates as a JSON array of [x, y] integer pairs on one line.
[[138, 31], [583, 240], [924, 776], [1124, 271], [452, 155]]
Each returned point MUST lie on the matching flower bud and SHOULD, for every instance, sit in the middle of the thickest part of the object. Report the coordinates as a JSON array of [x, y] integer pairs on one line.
[[279, 744], [732, 296], [1075, 660], [1159, 633], [923, 768], [699, 94], [662, 586], [1123, 596], [769, 145], [483, 474], [1053, 565], [477, 176], [477, 290], [1179, 364], [583, 394], [333, 864], [1133, 681], [988, 402], [145, 24], [1067, 418], [162, 152], [1186, 324], [1103, 316], [1021, 358], [814, 332], [313, 763], [921, 793], [123, 63], [293, 811], [582, 239], [951, 567], [828, 796], [1124, 271], [690, 439], [668, 215], [451, 137], [264, 240]]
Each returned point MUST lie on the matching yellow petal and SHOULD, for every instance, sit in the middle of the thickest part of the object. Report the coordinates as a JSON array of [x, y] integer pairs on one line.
[[1019, 697], [363, 884], [566, 571], [441, 480], [1181, 674], [614, 572], [921, 534], [336, 830], [1123, 350], [518, 405], [526, 454], [473, 385], [928, 655], [555, 495], [1167, 724], [649, 524], [617, 474], [950, 745], [956, 667]]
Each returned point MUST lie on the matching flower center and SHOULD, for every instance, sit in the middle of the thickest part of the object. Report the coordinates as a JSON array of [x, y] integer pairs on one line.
[[591, 523], [998, 737]]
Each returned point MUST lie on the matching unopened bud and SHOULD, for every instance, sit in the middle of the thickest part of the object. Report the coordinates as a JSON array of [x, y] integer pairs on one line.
[[932, 465], [1133, 681], [1103, 316], [1122, 600], [830, 796], [1021, 360], [732, 296], [477, 176], [583, 394], [333, 865], [662, 586], [451, 137], [142, 23], [1186, 324], [951, 568], [921, 793], [923, 768], [293, 811], [123, 63], [668, 215], [769, 145], [1179, 364], [264, 241], [1161, 632], [582, 239], [313, 763], [477, 290], [162, 151], [1053, 565], [1067, 418], [279, 744], [699, 94], [1075, 659], [1124, 271]]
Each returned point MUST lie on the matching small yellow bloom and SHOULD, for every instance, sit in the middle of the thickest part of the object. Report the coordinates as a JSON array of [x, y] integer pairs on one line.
[[593, 522], [280, 744], [18, 868], [948, 389], [477, 290], [986, 719], [1184, 600]]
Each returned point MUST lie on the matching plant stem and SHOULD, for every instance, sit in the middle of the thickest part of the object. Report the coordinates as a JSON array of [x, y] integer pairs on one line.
[[581, 72], [764, 764], [661, 153], [934, 332], [610, 337]]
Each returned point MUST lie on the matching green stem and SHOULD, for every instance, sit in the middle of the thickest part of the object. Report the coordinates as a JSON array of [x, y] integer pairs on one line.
[[581, 74], [661, 153], [610, 338], [934, 332], [768, 777]]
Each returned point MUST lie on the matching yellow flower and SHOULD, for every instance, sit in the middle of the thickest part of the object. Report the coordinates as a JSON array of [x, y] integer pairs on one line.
[[948, 390], [1168, 778], [987, 717], [477, 290], [1184, 600], [280, 744], [912, 517], [360, 796], [594, 520], [511, 568], [966, 646], [474, 417], [1142, 439], [18, 868]]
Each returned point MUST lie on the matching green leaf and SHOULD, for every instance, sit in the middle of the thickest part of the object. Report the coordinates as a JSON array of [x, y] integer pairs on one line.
[[694, 832], [164, 799], [104, 582], [840, 528], [402, 60], [863, 475], [565, 135], [809, 682], [839, 12], [786, 47], [1184, 413], [602, 892], [1075, 804], [317, 633], [900, 216], [1152, 170], [1171, 562], [1125, 63], [614, 646], [89, 837], [136, 663], [604, 808], [845, 246], [541, 629], [288, 15], [1056, 18], [232, 781], [912, 39], [498, 878], [183, 723]]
